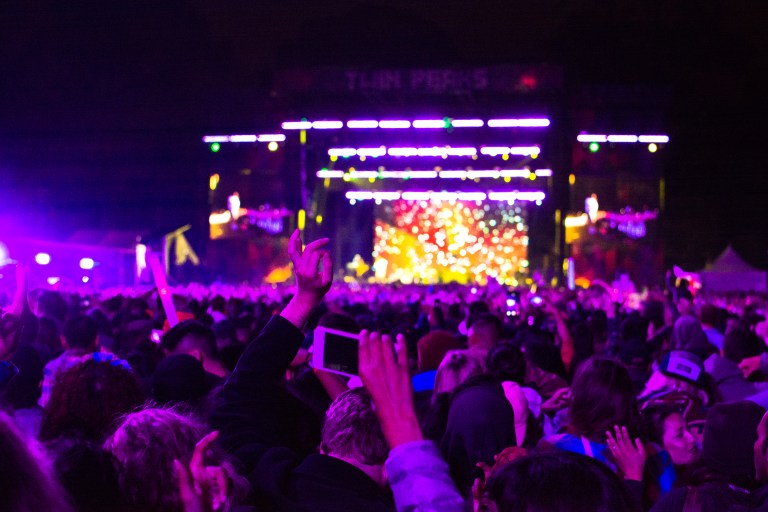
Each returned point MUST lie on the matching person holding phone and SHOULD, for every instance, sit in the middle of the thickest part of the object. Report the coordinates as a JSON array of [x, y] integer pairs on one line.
[[348, 473]]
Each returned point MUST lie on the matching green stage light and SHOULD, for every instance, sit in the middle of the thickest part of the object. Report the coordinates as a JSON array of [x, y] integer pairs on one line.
[[215, 147], [594, 147]]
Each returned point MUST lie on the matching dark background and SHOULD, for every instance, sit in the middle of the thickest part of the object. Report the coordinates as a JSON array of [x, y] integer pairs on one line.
[[102, 104]]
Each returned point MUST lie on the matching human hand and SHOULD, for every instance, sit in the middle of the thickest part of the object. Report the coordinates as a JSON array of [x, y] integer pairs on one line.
[[311, 284], [202, 488], [629, 457], [557, 401], [386, 377], [749, 365]]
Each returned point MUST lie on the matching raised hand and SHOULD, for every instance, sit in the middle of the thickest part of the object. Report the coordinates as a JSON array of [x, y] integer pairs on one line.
[[630, 457], [384, 372], [312, 281], [202, 488]]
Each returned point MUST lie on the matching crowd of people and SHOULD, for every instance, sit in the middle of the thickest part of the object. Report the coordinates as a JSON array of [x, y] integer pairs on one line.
[[468, 398]]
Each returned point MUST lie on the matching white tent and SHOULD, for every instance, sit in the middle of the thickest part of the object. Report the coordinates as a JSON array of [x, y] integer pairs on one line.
[[731, 273]]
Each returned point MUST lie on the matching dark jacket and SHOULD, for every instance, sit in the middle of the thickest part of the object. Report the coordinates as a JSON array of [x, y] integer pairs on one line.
[[250, 429]]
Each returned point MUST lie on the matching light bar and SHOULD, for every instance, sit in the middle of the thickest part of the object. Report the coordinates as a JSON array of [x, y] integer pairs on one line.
[[525, 150], [359, 195], [327, 125], [467, 123], [268, 137], [472, 196], [645, 139], [342, 152], [364, 174], [447, 174], [362, 124], [429, 123], [407, 174], [583, 137], [325, 173], [215, 138], [373, 152], [656, 139], [516, 196], [272, 137], [461, 151], [386, 196], [394, 124], [402, 152], [296, 125], [494, 150], [243, 138], [518, 123], [453, 174], [515, 173], [415, 196], [622, 138]]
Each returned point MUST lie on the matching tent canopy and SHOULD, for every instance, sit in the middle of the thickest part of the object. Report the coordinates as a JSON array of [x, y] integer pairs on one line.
[[729, 272]]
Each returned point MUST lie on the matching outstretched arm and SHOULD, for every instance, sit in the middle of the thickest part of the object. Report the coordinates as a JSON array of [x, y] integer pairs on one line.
[[243, 415], [417, 473]]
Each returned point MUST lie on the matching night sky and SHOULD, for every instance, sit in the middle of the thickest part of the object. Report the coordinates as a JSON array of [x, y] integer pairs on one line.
[[91, 91]]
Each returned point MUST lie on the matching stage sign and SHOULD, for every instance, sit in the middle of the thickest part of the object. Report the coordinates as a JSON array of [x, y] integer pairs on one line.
[[428, 81]]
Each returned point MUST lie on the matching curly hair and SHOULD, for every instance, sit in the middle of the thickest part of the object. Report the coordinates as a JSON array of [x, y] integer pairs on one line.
[[146, 443], [87, 398]]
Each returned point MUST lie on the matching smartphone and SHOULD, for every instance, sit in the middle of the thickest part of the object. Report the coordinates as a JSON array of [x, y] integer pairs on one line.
[[335, 351]]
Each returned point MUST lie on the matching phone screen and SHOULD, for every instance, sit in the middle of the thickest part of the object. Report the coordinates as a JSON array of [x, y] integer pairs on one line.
[[340, 354]]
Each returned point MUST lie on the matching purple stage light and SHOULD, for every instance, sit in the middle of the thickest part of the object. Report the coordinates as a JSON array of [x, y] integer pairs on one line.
[[208, 139], [359, 195], [584, 137], [362, 124], [544, 172], [325, 173], [472, 196], [494, 150], [429, 123], [402, 152], [622, 138], [655, 139], [415, 196], [394, 124], [296, 125], [461, 151], [524, 150], [386, 196], [327, 125], [467, 123], [519, 123], [272, 137], [372, 152], [342, 152], [515, 173], [243, 138], [453, 174], [364, 174]]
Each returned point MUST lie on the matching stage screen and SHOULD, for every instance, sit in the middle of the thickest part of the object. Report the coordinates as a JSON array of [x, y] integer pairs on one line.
[[450, 241]]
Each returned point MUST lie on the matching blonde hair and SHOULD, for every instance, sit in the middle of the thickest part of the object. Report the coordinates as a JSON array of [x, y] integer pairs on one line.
[[146, 443], [456, 367]]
